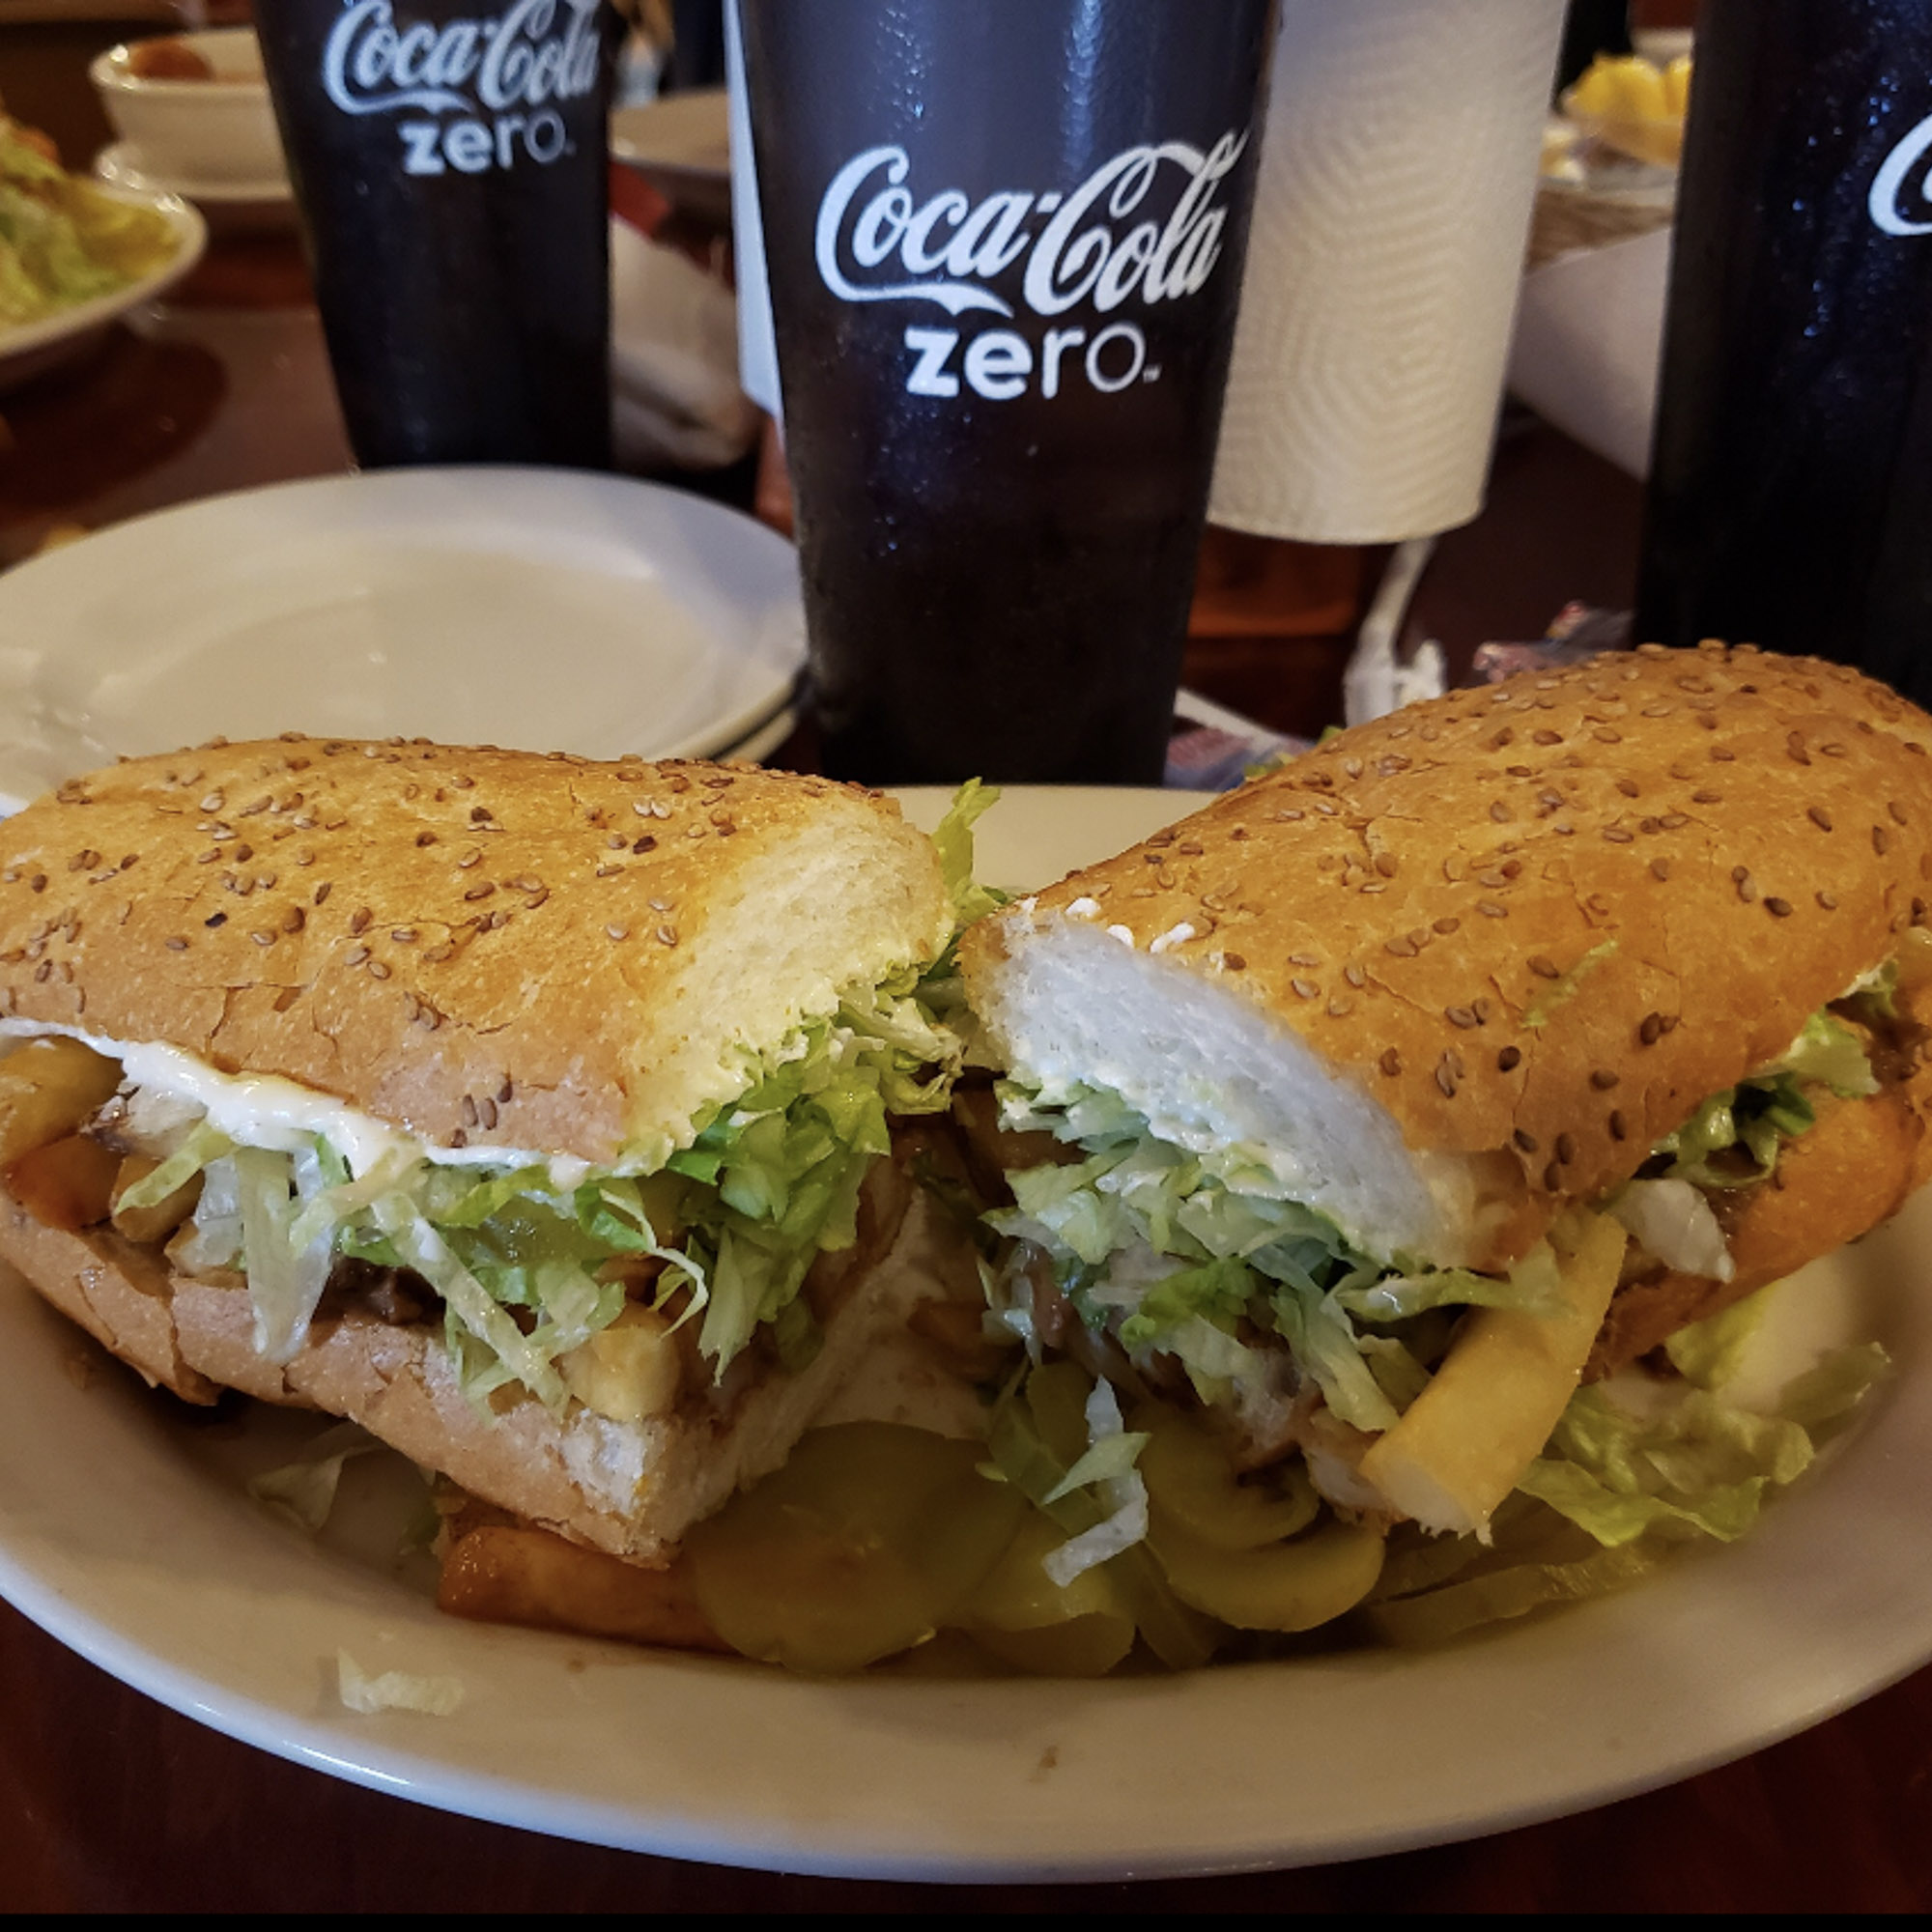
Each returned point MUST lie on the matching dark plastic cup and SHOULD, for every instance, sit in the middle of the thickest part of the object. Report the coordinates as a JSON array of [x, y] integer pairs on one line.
[[1790, 500], [448, 158], [1004, 244]]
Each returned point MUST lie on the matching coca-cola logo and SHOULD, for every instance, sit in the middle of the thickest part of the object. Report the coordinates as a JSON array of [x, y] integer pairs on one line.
[[1114, 240], [504, 78], [1888, 197]]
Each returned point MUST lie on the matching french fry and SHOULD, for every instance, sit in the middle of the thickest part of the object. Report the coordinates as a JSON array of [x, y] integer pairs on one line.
[[69, 1183], [151, 1225], [509, 1572], [48, 1088], [1468, 1437]]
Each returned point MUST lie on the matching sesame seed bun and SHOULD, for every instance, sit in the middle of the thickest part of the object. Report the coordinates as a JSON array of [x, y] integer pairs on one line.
[[486, 948], [1463, 966]]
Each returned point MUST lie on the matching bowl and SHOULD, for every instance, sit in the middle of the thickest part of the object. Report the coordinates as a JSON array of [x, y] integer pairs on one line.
[[212, 128]]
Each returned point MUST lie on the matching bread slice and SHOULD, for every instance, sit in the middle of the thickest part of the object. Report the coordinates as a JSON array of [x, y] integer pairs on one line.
[[1458, 968], [489, 949]]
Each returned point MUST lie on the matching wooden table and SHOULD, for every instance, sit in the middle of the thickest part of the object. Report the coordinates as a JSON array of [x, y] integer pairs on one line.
[[109, 1801]]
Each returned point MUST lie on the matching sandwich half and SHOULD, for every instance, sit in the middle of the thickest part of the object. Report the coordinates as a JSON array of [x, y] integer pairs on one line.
[[530, 1112], [1474, 1053]]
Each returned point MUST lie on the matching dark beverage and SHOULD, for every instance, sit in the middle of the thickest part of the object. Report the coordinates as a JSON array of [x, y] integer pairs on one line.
[[448, 158], [1004, 244], [1791, 484]]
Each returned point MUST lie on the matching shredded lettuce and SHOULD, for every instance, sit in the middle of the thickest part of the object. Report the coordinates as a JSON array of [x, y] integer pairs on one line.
[[523, 1263], [1201, 1257]]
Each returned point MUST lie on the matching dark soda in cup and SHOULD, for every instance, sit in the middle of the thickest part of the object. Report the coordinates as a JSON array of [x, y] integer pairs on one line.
[[448, 158], [1790, 500], [1004, 244]]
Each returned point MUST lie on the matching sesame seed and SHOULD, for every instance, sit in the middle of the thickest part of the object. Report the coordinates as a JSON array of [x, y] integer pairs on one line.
[[1661, 868], [378, 970], [1651, 1030], [1628, 786], [1355, 975], [667, 935], [358, 921], [1390, 1063], [1491, 910], [1566, 1148], [403, 935], [1305, 989], [618, 931], [1617, 836], [1525, 1140], [177, 943], [1445, 1077], [293, 919], [1828, 902], [355, 955], [1881, 842], [1552, 1178], [1402, 949], [214, 920], [1341, 1006], [1509, 1060], [1896, 810], [1234, 963], [440, 952], [1602, 1079], [1304, 960], [1619, 1128], [323, 891], [1544, 967], [1500, 812]]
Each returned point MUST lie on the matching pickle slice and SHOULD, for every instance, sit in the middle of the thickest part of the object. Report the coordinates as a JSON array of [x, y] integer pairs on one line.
[[862, 1544], [1087, 1646], [1191, 1481], [1294, 1585]]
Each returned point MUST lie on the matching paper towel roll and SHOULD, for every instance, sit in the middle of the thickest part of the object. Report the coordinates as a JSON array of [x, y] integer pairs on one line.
[[1398, 171]]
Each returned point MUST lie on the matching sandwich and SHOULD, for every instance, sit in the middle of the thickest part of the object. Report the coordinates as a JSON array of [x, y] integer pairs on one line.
[[1362, 1119], [530, 1112]]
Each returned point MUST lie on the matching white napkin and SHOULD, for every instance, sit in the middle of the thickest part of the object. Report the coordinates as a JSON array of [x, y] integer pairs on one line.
[[1588, 334], [676, 400], [1398, 171]]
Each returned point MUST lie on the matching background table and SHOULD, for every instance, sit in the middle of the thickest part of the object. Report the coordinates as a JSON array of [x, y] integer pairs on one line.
[[109, 1802]]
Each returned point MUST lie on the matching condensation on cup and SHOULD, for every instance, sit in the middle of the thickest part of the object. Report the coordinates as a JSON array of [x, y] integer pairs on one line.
[[1790, 498], [448, 158], [1004, 244]]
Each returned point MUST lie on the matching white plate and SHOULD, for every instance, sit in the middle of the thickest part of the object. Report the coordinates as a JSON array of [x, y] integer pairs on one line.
[[682, 145], [227, 206], [122, 1534], [550, 608], [35, 347]]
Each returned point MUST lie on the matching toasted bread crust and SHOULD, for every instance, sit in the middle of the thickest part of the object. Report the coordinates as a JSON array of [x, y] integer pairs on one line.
[[1853, 1169], [488, 948], [1542, 920]]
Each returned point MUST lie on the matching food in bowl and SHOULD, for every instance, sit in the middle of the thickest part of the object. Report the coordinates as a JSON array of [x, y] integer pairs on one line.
[[194, 106], [63, 242]]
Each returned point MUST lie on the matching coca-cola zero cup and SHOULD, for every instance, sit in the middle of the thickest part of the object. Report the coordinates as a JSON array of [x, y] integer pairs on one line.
[[1005, 245], [1790, 500], [448, 158]]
